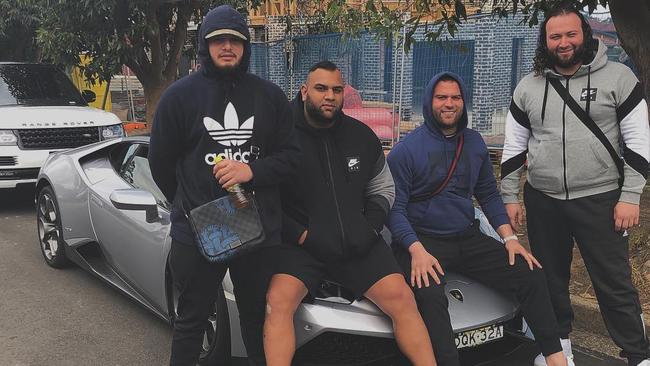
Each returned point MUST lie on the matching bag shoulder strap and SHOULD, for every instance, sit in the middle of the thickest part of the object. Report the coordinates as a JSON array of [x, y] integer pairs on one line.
[[450, 172], [590, 124]]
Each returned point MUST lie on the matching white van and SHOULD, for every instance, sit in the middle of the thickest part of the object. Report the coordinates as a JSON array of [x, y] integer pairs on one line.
[[42, 112]]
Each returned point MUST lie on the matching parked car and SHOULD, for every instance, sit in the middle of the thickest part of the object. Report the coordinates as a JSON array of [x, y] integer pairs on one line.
[[42, 112], [98, 207]]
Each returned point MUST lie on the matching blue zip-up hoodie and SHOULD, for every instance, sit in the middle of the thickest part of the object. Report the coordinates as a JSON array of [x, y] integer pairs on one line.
[[420, 162]]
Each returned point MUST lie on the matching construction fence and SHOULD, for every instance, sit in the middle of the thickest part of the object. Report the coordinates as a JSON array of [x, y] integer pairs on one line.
[[387, 84]]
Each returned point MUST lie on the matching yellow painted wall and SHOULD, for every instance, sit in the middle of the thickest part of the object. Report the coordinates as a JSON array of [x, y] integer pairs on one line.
[[82, 84]]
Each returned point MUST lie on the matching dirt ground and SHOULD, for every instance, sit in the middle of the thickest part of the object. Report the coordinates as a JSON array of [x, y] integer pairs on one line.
[[639, 258]]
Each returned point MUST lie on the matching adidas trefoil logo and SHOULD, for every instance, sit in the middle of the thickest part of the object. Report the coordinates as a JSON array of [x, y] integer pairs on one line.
[[230, 133]]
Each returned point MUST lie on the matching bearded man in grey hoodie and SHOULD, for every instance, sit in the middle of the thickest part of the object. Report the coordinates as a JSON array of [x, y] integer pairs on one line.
[[587, 154]]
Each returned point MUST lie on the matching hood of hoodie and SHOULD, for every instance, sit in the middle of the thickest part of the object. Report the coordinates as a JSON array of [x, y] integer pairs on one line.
[[427, 110], [223, 17], [599, 61]]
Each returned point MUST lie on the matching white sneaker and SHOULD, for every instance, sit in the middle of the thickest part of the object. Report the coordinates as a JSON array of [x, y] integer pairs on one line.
[[644, 363], [541, 361], [566, 349]]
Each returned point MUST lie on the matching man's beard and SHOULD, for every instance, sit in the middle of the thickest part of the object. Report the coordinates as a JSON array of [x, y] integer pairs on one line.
[[444, 127], [227, 70], [577, 57], [317, 116]]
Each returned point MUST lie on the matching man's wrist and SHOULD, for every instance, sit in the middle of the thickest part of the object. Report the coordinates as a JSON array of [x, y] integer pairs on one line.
[[415, 247], [510, 198], [511, 237], [632, 198]]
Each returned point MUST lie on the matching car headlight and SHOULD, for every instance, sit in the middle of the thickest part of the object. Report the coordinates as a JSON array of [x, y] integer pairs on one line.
[[8, 138], [111, 132]]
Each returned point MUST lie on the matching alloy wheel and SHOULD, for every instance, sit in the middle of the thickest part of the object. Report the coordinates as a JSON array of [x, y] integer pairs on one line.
[[49, 231]]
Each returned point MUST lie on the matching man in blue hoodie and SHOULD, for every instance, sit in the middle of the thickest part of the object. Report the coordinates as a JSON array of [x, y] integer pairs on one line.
[[437, 169], [222, 112]]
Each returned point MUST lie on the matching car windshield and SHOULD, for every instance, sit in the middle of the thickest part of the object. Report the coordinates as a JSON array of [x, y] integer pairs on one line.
[[22, 84]]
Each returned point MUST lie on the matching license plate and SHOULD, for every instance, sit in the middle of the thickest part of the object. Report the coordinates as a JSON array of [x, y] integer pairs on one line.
[[474, 337]]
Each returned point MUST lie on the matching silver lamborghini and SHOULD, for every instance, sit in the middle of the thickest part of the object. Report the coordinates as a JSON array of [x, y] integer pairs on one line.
[[98, 207]]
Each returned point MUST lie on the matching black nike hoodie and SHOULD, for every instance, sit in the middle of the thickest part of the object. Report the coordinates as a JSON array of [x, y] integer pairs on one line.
[[211, 113], [327, 196]]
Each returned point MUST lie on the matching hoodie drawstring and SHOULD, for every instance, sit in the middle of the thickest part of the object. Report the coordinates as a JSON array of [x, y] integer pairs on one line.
[[544, 101], [588, 89]]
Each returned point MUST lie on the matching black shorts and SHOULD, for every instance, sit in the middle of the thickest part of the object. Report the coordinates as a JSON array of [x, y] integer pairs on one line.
[[356, 274]]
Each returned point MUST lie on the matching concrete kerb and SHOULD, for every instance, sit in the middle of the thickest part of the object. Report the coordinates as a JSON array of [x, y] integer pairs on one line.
[[588, 317]]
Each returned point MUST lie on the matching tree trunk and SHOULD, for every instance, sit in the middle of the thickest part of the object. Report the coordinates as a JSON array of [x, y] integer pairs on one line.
[[161, 72], [152, 93], [632, 21]]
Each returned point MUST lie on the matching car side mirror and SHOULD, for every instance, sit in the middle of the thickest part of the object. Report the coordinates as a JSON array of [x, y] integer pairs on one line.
[[89, 96], [136, 200]]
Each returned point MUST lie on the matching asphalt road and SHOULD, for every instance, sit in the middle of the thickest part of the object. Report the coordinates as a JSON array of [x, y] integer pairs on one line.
[[64, 317], [68, 317]]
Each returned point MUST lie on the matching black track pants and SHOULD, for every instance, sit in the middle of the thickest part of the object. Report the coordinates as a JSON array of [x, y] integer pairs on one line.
[[552, 227], [485, 260], [198, 281]]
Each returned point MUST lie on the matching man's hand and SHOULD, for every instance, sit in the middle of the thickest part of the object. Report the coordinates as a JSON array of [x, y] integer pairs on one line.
[[514, 247], [515, 214], [423, 264], [302, 238], [626, 215], [231, 172]]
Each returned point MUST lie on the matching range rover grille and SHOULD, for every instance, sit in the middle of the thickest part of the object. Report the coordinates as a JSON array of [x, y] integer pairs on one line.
[[57, 138]]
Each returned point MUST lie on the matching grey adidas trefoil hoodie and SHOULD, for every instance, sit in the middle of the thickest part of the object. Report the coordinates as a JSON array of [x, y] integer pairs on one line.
[[565, 159]]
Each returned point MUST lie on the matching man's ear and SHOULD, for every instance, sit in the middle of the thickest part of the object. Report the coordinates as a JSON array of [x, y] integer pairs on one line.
[[303, 92]]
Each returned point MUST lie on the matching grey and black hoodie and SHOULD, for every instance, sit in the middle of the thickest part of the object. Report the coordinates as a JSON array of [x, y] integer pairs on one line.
[[565, 160], [341, 192]]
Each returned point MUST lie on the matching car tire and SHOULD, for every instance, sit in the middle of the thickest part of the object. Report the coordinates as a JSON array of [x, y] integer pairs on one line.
[[216, 340], [50, 230]]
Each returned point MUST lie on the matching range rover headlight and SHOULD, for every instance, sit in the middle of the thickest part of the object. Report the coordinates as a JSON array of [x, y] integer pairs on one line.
[[111, 132], [8, 138]]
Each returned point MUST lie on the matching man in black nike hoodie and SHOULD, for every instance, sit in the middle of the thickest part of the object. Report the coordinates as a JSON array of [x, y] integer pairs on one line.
[[224, 112], [335, 205]]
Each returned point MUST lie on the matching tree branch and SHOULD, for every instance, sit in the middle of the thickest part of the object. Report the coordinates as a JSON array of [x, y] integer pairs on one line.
[[121, 16], [153, 36], [631, 17], [631, 21], [180, 33], [135, 67]]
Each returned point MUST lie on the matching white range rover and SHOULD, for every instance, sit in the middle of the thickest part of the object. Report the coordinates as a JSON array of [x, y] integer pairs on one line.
[[42, 112]]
